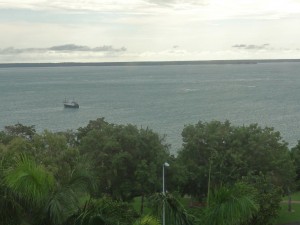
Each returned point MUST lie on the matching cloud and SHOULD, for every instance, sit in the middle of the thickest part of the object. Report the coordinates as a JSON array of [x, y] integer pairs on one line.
[[62, 48], [164, 55], [251, 47], [72, 47], [192, 9], [12, 50], [173, 2]]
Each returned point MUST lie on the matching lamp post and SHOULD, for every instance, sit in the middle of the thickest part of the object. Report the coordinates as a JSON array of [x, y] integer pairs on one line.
[[164, 192]]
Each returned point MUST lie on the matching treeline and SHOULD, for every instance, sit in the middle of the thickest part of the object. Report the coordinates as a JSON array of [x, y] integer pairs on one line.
[[232, 175]]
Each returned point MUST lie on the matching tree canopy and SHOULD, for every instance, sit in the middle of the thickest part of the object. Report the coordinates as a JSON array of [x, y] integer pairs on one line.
[[92, 175], [226, 153]]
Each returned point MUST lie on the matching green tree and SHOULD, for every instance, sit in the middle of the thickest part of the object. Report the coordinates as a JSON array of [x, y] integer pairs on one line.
[[104, 211], [231, 205], [227, 153], [53, 151], [20, 130], [175, 213], [33, 195], [268, 196], [128, 160], [26, 186], [295, 154]]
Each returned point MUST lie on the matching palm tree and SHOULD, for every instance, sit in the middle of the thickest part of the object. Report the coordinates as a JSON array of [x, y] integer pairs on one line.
[[174, 210], [25, 187], [104, 211], [36, 197], [231, 205], [10, 210]]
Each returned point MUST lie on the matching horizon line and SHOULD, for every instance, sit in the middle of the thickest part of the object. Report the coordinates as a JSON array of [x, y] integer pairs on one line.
[[144, 63]]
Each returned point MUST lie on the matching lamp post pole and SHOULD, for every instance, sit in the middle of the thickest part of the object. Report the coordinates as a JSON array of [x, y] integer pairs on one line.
[[164, 192]]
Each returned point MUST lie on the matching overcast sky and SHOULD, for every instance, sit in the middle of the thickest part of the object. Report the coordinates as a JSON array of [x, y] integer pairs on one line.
[[148, 30]]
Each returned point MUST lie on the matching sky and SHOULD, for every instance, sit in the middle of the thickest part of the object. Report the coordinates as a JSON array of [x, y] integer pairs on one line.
[[148, 30]]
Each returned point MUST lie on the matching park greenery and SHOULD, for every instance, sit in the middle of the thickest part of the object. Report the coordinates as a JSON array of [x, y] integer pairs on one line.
[[223, 175]]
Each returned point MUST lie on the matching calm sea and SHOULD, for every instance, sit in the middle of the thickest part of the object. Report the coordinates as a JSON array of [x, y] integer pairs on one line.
[[163, 98]]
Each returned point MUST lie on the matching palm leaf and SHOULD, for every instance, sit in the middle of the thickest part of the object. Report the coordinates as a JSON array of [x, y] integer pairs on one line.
[[231, 206], [175, 213], [147, 220], [62, 204], [28, 181]]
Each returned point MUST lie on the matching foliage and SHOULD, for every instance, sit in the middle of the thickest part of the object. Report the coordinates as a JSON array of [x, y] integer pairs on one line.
[[295, 154], [20, 130], [268, 198], [231, 152], [25, 187], [231, 205], [53, 151], [104, 211], [30, 194], [28, 181], [128, 160], [147, 220], [46, 178], [174, 211]]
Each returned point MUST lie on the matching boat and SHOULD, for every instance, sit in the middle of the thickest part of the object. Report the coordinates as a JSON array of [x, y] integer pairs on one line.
[[70, 104]]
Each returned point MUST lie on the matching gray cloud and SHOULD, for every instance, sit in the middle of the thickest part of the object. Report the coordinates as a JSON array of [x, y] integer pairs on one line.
[[62, 48], [72, 47], [251, 47], [12, 50]]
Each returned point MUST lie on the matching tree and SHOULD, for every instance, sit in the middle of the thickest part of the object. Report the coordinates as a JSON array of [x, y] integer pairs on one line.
[[52, 151], [268, 197], [231, 205], [21, 130], [127, 159], [295, 155], [104, 211], [33, 195], [27, 186], [231, 152], [175, 213]]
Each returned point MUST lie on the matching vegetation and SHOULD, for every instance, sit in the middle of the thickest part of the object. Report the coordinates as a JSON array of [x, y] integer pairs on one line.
[[286, 216], [227, 174]]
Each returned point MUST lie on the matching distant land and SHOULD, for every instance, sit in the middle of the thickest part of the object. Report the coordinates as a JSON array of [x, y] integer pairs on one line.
[[146, 63]]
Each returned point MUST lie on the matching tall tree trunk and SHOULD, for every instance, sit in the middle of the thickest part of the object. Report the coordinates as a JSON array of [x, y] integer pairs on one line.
[[208, 186], [290, 202], [142, 204]]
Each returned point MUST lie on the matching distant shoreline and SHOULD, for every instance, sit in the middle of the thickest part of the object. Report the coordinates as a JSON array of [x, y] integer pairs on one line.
[[146, 63]]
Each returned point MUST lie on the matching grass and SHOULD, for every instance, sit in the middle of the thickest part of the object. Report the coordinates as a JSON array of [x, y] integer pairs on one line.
[[137, 205], [285, 216], [295, 197]]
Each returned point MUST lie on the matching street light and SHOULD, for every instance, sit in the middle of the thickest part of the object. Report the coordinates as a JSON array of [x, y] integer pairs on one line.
[[163, 191]]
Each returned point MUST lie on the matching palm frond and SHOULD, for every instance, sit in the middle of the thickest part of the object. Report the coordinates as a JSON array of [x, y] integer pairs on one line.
[[104, 211], [175, 213], [230, 206], [62, 205], [147, 220], [10, 210], [82, 180], [29, 181]]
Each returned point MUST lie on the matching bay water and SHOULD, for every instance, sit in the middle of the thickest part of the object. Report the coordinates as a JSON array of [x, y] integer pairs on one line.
[[164, 98]]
